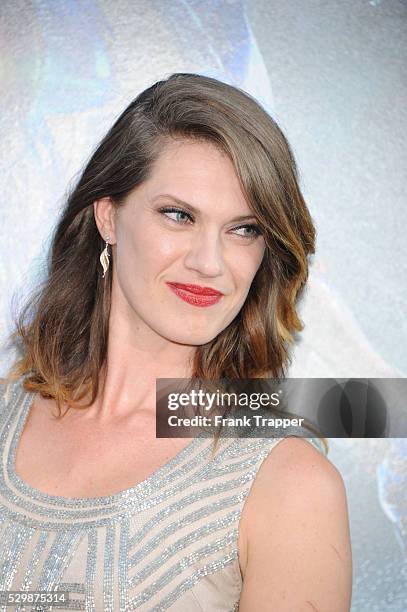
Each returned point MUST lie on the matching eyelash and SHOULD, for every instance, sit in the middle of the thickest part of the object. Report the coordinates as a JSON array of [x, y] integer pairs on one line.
[[184, 212]]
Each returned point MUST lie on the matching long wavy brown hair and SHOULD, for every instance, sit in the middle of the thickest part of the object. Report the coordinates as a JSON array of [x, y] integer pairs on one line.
[[61, 332]]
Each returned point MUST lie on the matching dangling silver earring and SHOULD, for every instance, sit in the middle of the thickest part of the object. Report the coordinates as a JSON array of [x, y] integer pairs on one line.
[[104, 258]]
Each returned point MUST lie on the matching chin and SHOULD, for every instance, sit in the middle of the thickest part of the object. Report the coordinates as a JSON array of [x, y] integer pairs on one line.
[[181, 334], [191, 339]]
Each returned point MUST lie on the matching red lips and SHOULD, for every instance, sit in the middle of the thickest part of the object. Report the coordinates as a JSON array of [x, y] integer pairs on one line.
[[196, 289]]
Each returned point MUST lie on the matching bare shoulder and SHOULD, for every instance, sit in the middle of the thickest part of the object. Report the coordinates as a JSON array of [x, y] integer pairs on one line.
[[294, 533]]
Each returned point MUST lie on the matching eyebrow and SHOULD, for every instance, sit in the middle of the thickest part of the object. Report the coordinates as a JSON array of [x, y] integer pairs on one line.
[[196, 211]]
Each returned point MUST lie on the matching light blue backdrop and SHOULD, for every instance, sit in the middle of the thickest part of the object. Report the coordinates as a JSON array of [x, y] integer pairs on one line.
[[334, 76]]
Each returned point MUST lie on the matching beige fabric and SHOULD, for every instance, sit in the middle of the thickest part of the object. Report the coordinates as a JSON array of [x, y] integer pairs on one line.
[[168, 543]]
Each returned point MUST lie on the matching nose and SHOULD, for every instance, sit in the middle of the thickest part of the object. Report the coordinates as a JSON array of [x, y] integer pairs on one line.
[[205, 254]]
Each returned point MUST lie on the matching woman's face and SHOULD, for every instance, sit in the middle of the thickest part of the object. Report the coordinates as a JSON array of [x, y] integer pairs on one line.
[[160, 242]]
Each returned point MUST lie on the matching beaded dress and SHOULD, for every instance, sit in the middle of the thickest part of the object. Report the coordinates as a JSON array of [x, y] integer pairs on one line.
[[167, 543]]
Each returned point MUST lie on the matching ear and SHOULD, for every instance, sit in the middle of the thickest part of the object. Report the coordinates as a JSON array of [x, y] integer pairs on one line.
[[105, 211]]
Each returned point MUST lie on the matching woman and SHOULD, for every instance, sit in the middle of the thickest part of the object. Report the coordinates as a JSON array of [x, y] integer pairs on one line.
[[193, 187]]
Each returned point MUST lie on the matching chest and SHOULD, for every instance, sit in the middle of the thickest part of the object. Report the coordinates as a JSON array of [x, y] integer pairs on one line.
[[82, 459], [174, 545]]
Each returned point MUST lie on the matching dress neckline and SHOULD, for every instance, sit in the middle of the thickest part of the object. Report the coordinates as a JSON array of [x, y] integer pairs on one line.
[[22, 401]]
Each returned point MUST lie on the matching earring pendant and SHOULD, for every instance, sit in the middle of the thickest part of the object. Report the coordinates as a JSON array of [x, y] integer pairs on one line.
[[104, 258]]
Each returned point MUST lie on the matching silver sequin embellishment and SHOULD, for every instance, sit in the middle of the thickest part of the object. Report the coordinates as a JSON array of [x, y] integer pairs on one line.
[[143, 548]]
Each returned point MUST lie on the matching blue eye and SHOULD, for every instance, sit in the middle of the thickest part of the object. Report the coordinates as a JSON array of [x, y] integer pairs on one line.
[[167, 210], [177, 211], [255, 229]]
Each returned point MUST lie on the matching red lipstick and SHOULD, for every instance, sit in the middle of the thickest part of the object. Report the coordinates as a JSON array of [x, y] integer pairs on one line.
[[195, 294]]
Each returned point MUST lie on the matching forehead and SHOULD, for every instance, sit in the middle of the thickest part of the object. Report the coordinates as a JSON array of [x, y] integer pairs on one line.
[[191, 157], [199, 173]]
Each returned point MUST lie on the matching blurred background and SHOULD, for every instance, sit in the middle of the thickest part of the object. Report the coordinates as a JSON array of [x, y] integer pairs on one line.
[[333, 75]]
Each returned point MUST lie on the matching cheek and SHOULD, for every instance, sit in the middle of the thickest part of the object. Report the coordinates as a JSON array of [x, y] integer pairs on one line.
[[166, 247], [148, 250], [246, 266]]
